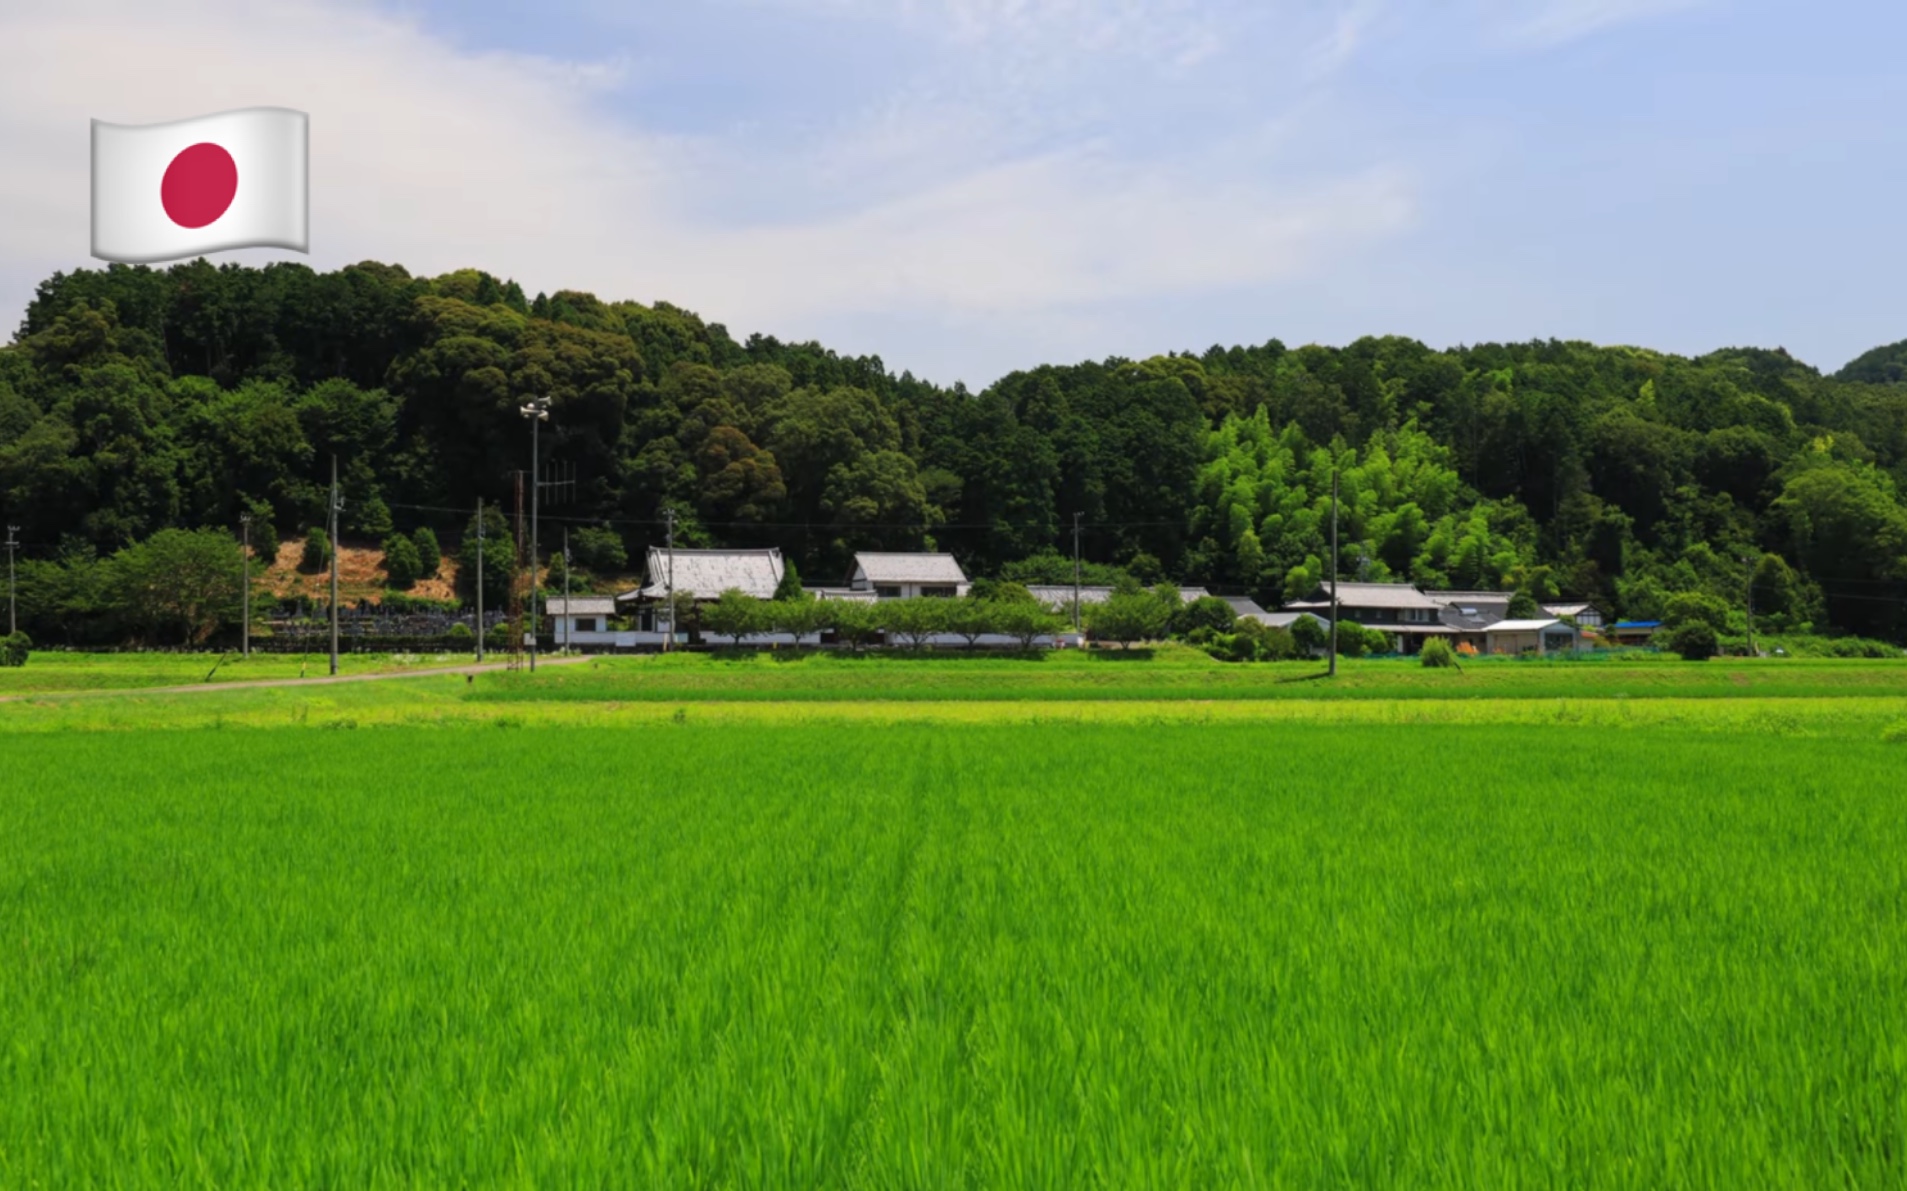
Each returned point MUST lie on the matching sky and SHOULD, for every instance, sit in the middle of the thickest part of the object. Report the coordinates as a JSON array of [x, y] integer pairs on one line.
[[968, 187]]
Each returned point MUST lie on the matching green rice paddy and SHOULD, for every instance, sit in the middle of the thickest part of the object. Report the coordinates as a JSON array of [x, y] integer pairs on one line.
[[698, 924]]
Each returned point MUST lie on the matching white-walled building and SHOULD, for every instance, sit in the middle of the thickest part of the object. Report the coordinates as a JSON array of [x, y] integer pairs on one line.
[[907, 576]]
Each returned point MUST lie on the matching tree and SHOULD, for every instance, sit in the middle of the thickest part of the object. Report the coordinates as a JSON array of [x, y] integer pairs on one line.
[[853, 621], [178, 585], [401, 564], [1695, 607], [734, 615], [971, 617], [1026, 621], [1126, 617], [598, 549], [915, 620], [1310, 634], [789, 587], [1208, 613], [1694, 640], [499, 558], [14, 648], [430, 557], [317, 551], [1523, 606], [802, 616]]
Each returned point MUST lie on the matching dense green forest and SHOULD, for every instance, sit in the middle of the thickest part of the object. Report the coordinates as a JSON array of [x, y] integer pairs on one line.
[[135, 400]]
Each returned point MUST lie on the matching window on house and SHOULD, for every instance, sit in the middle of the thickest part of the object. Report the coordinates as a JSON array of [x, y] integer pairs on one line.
[[888, 593], [938, 592], [585, 624]]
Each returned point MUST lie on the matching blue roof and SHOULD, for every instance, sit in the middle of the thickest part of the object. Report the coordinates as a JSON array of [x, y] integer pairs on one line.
[[1638, 624]]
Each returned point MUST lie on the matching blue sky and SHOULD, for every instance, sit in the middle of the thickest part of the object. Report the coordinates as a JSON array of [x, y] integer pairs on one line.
[[969, 186]]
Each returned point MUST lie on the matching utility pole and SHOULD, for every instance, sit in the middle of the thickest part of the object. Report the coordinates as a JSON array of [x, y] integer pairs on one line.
[[1751, 606], [480, 580], [13, 614], [337, 506], [569, 614], [668, 588], [1334, 572], [245, 584], [1075, 574], [538, 411]]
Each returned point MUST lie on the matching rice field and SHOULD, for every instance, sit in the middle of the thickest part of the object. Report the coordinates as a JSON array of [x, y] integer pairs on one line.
[[1160, 942]]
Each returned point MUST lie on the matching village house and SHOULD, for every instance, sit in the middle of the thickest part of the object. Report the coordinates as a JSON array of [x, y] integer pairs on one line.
[[1543, 637], [1586, 616], [1247, 608], [907, 576], [703, 575], [1060, 595], [1406, 615], [581, 621]]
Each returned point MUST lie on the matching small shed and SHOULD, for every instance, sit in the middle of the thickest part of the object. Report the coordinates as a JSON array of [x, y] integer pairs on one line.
[[1532, 636], [581, 620]]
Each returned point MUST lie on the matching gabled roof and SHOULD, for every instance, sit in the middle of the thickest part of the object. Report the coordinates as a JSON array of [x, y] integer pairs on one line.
[[895, 569], [1568, 609], [1523, 626], [1284, 620], [580, 606], [1369, 595], [1060, 595], [709, 573]]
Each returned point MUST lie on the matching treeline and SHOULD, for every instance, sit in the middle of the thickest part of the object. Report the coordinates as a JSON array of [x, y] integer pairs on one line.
[[135, 400]]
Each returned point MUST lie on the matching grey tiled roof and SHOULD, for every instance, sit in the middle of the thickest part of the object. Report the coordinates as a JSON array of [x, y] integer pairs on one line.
[[1369, 595], [709, 573], [888, 569]]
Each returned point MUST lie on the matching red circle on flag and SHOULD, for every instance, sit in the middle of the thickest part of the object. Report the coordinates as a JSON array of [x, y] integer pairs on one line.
[[199, 185]]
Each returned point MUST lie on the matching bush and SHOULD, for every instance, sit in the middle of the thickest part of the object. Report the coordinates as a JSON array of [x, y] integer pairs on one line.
[[497, 640], [14, 649], [264, 535], [401, 564], [1350, 639], [429, 556], [459, 634], [1253, 642], [1695, 641], [317, 551], [1438, 655], [1309, 634], [1206, 612]]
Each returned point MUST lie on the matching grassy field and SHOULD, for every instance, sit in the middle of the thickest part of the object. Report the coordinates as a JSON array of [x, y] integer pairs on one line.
[[691, 923], [50, 671]]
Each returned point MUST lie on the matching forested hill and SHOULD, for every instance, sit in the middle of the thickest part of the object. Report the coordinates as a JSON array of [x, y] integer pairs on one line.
[[134, 400]]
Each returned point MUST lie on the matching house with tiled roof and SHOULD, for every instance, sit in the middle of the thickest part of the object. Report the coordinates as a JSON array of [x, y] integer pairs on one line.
[[907, 576]]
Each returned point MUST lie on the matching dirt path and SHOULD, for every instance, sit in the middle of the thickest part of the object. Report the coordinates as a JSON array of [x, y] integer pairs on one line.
[[255, 683]]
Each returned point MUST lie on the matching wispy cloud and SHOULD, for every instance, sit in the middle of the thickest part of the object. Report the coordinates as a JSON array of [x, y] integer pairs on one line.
[[1541, 23], [948, 200]]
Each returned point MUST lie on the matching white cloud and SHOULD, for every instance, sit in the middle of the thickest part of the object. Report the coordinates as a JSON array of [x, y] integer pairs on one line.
[[438, 159], [1553, 22]]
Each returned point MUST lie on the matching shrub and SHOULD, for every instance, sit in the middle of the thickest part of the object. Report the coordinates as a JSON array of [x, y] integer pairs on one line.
[[1694, 640], [401, 564], [1206, 612], [429, 555], [789, 588], [1309, 634], [14, 649], [498, 638], [1350, 639], [317, 551], [459, 634], [264, 535], [1438, 655]]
